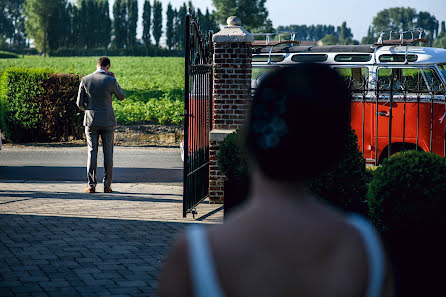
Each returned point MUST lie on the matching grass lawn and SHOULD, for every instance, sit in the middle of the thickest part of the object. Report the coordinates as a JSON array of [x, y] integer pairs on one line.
[[153, 85]]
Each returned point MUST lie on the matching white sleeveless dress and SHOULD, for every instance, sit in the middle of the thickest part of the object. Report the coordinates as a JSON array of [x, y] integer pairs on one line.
[[205, 281]]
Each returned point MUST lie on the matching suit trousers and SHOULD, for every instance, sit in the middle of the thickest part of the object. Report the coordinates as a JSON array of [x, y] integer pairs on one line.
[[107, 136]]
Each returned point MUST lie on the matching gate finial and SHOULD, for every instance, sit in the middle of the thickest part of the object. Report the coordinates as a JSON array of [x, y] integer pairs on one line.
[[233, 21]]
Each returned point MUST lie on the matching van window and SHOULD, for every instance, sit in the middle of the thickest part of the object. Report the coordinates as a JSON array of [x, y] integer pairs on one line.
[[398, 58], [443, 69], [401, 79], [353, 58], [355, 78], [434, 81], [309, 58], [264, 58]]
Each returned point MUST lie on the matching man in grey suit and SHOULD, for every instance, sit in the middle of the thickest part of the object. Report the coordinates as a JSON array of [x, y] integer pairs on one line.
[[95, 99]]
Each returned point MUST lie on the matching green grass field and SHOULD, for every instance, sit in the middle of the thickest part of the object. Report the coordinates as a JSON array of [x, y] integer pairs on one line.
[[153, 85]]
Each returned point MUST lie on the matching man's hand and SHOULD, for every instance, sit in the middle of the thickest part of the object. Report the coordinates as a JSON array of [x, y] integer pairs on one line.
[[111, 74]]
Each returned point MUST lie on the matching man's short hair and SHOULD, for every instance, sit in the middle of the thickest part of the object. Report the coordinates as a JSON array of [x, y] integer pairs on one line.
[[103, 61]]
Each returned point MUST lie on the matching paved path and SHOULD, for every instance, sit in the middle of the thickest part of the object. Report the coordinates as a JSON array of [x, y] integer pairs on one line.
[[131, 164], [56, 241]]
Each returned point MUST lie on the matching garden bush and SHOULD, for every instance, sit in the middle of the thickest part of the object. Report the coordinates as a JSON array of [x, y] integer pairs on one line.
[[407, 199], [37, 105], [231, 158], [345, 186], [405, 189], [8, 55]]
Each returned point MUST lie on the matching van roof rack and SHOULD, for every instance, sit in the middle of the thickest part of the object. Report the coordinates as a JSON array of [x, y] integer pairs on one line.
[[271, 41], [401, 40], [262, 43], [267, 42]]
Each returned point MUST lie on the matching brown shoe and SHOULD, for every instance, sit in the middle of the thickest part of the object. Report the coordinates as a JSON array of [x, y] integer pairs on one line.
[[108, 190], [89, 190]]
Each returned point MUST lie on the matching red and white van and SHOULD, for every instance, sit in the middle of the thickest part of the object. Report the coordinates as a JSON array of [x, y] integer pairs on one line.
[[398, 90]]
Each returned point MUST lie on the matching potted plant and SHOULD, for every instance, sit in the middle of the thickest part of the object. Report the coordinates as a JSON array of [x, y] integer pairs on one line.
[[232, 162]]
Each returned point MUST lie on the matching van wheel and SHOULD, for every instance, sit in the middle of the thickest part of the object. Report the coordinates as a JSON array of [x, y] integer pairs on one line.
[[398, 148]]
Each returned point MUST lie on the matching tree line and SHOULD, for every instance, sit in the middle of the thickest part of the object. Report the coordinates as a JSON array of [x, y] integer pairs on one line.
[[403, 19], [86, 25], [57, 25], [327, 33]]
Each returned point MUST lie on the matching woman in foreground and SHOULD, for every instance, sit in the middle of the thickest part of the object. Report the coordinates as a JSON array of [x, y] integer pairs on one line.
[[283, 241]]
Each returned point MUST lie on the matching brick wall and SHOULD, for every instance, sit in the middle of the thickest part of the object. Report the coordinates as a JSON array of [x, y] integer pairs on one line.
[[232, 84], [216, 177], [231, 101]]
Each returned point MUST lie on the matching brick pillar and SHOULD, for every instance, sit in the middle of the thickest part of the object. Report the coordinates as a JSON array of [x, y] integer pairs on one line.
[[232, 93]]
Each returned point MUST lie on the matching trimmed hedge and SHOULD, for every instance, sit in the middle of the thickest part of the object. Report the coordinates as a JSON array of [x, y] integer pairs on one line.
[[345, 186], [231, 158], [8, 55], [407, 191], [407, 199], [37, 105]]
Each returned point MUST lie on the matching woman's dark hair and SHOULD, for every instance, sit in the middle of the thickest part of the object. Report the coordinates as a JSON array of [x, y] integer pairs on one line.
[[298, 122]]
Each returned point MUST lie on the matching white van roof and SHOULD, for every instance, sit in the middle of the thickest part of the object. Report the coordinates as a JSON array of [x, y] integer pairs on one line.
[[421, 55]]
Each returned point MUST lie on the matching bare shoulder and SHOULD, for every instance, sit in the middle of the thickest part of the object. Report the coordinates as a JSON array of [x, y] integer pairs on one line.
[[355, 251], [175, 278]]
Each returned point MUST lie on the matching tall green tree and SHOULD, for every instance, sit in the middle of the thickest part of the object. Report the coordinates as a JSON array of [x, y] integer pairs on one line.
[[146, 22], [403, 19], [253, 13], [105, 23], [310, 33], [370, 38], [395, 18], [344, 34], [157, 24], [120, 23], [206, 21], [59, 26], [429, 23], [190, 8], [6, 26], [38, 20], [180, 27], [12, 23], [82, 23], [170, 29], [92, 24], [211, 22], [440, 41], [132, 9]]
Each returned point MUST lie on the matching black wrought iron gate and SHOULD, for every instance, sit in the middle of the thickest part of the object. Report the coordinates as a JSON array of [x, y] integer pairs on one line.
[[197, 112]]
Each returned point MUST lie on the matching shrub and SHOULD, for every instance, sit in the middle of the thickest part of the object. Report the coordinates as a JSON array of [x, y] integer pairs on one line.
[[407, 199], [7, 55], [370, 172], [39, 106], [406, 189], [231, 159], [345, 186]]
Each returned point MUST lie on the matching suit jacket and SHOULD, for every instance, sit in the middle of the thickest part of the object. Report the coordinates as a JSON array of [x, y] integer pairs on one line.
[[95, 98]]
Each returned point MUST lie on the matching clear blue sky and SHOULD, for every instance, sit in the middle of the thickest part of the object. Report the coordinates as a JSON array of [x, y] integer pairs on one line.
[[357, 13]]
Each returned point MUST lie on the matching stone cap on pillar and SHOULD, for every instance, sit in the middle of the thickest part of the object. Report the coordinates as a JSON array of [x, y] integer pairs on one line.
[[233, 32], [219, 134]]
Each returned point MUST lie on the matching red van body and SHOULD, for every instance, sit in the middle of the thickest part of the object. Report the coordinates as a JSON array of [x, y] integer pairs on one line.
[[398, 92]]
